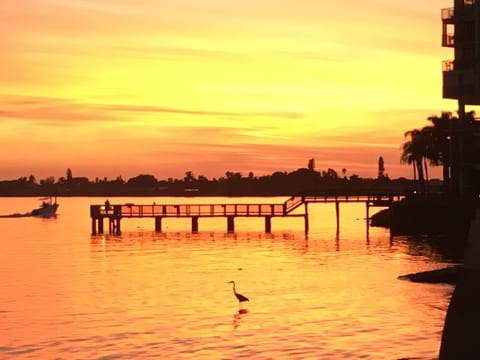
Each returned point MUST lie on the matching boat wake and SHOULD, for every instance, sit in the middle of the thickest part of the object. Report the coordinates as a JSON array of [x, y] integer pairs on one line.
[[16, 215]]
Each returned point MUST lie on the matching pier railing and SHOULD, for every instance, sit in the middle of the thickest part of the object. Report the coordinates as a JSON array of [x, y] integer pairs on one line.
[[292, 203], [187, 210], [375, 199], [131, 210]]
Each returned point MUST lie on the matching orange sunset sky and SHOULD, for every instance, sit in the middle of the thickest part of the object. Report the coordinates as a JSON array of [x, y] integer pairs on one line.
[[123, 87]]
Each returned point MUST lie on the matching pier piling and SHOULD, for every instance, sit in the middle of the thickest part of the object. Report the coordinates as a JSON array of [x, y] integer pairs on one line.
[[268, 224], [100, 225], [230, 224], [158, 224], [194, 224]]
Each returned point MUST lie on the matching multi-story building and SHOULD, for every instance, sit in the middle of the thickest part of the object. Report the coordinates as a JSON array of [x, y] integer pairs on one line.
[[461, 81], [461, 31]]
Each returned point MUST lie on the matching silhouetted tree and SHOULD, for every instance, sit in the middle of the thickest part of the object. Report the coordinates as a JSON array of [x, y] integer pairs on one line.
[[189, 177], [143, 181], [381, 168], [330, 174], [311, 164], [69, 174], [202, 178], [413, 152], [434, 144], [230, 175], [47, 180]]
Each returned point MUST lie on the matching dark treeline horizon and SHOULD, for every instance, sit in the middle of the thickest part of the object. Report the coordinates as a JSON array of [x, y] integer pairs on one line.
[[306, 181]]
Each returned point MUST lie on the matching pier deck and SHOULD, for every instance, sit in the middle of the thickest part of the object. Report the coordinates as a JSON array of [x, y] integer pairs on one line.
[[115, 213]]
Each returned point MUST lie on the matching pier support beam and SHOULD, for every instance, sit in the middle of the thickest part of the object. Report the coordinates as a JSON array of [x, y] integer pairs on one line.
[[337, 212], [368, 222], [158, 224], [268, 224], [230, 224], [114, 226], [94, 226], [307, 225], [194, 224], [100, 225]]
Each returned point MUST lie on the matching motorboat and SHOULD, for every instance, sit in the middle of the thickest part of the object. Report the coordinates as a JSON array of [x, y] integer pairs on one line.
[[48, 208]]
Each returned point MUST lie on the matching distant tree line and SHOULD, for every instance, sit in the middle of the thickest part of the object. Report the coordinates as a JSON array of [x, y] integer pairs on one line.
[[449, 141], [306, 181]]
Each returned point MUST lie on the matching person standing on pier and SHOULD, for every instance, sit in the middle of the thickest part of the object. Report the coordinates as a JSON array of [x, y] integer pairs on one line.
[[107, 206]]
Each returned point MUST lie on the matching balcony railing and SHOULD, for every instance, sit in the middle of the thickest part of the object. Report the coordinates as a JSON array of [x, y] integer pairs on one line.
[[448, 40], [448, 65], [448, 13]]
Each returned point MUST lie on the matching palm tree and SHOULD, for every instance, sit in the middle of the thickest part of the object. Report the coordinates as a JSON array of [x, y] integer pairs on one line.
[[413, 151], [431, 151], [442, 133], [434, 145]]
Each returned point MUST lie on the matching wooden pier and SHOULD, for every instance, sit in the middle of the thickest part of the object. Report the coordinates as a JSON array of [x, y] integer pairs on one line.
[[290, 208]]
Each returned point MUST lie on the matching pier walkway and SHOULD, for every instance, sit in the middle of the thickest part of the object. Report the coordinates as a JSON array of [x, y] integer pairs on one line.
[[290, 208]]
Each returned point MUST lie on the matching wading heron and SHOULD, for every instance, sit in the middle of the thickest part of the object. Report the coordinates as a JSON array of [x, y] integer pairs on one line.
[[241, 298]]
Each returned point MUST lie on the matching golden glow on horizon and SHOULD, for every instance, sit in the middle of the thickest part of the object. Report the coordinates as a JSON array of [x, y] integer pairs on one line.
[[112, 88]]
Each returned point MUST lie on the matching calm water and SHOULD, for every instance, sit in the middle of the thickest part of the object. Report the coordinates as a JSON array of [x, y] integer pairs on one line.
[[68, 295]]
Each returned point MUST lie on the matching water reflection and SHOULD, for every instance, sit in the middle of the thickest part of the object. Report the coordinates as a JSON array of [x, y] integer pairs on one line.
[[148, 295], [440, 248], [238, 317], [437, 248], [109, 242]]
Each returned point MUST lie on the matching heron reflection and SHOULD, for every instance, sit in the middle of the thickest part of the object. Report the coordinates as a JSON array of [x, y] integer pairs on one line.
[[237, 318]]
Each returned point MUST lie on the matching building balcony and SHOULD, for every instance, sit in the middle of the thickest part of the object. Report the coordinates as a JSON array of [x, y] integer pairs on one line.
[[448, 14], [451, 15], [448, 65], [460, 84], [448, 40]]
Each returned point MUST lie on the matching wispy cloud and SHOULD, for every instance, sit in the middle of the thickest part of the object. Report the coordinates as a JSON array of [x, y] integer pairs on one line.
[[106, 7], [160, 109], [57, 109]]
